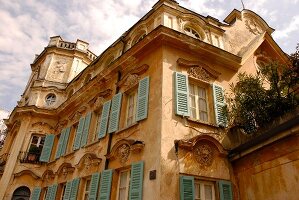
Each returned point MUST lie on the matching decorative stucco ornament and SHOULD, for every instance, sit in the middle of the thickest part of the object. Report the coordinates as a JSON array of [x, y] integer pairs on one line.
[[203, 154], [199, 73], [252, 26], [123, 153], [132, 80]]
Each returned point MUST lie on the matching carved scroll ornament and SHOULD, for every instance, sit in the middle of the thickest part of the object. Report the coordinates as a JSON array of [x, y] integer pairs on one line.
[[123, 148], [88, 160]]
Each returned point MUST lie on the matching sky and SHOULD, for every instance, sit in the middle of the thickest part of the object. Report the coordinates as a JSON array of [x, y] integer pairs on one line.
[[26, 26]]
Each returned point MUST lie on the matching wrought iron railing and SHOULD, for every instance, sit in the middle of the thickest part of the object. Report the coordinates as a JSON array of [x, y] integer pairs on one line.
[[29, 157]]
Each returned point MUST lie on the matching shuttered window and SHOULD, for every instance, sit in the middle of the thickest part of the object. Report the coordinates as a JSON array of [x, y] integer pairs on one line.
[[47, 148], [104, 119], [114, 114], [85, 130], [219, 106], [105, 185], [74, 190], [123, 185], [225, 189], [65, 141], [94, 185], [181, 94], [136, 182], [142, 100], [131, 108], [67, 191], [60, 144], [51, 192], [79, 133], [36, 193], [187, 188]]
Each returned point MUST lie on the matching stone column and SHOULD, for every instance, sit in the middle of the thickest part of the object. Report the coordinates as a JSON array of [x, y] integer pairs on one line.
[[13, 157]]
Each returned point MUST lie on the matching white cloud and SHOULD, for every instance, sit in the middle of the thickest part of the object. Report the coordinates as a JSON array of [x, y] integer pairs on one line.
[[290, 27]]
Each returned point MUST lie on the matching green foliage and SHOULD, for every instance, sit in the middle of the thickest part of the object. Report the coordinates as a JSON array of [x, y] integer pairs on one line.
[[259, 99]]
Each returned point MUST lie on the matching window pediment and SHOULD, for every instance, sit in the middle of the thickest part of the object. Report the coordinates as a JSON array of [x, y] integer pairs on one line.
[[88, 160], [199, 70]]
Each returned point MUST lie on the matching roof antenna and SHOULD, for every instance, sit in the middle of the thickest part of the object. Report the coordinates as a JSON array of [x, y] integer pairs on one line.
[[243, 4]]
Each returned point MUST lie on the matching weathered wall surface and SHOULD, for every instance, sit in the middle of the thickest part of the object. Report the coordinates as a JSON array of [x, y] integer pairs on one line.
[[271, 172]]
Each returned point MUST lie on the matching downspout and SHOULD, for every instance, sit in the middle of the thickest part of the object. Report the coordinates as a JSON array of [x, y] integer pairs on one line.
[[111, 134]]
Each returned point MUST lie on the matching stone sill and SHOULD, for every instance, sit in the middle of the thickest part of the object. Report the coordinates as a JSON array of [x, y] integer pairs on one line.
[[126, 128], [202, 122]]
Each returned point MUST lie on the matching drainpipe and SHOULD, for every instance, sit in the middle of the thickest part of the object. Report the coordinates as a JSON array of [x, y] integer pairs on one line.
[[110, 134]]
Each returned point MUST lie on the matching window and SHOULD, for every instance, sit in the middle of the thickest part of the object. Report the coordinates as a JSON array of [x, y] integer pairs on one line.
[[131, 108], [123, 185], [191, 32], [198, 102], [204, 190], [63, 185], [37, 142], [50, 99], [86, 189]]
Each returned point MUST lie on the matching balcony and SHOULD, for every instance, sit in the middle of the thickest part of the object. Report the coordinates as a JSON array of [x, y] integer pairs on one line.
[[29, 157]]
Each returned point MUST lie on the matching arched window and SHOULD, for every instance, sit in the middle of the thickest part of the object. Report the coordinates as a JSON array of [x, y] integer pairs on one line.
[[192, 32], [21, 193], [50, 99]]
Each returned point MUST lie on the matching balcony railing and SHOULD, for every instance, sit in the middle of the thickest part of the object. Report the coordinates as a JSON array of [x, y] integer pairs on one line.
[[29, 157]]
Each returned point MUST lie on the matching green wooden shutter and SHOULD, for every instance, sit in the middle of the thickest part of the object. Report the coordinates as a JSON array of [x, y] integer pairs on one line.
[[65, 140], [181, 94], [60, 144], [105, 185], [187, 187], [86, 129], [219, 106], [53, 192], [74, 190], [49, 192], [94, 185], [36, 193], [79, 134], [104, 119], [225, 189], [114, 114], [47, 148], [67, 191], [142, 99], [136, 181]]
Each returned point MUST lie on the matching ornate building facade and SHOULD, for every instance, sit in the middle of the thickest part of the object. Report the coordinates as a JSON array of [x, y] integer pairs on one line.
[[143, 120]]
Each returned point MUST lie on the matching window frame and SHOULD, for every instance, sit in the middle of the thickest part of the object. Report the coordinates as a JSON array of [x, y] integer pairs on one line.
[[129, 94], [202, 184], [128, 170], [38, 145], [86, 192], [208, 99]]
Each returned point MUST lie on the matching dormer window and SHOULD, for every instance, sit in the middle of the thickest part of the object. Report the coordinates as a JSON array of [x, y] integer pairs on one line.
[[50, 99], [192, 32]]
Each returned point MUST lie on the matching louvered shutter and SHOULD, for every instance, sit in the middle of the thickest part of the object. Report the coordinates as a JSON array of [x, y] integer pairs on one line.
[[86, 129], [136, 181], [142, 99], [219, 106], [225, 189], [67, 191], [36, 193], [49, 192], [104, 119], [187, 188], [65, 140], [53, 192], [79, 134], [114, 114], [47, 148], [181, 94], [94, 184], [105, 185], [74, 190], [60, 144]]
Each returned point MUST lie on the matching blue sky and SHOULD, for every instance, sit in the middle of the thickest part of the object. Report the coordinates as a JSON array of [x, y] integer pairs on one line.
[[27, 25]]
